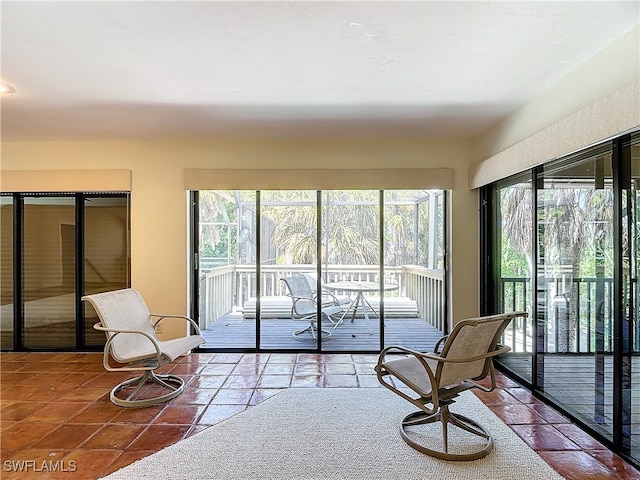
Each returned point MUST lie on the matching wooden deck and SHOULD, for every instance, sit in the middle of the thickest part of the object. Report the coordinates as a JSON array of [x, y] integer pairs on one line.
[[280, 307], [234, 331], [570, 381]]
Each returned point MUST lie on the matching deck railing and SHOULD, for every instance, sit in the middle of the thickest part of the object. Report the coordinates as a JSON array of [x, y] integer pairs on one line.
[[225, 289], [584, 327], [426, 287]]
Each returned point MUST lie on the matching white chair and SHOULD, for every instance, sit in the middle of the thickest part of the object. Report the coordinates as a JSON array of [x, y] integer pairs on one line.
[[328, 298], [132, 342], [305, 307]]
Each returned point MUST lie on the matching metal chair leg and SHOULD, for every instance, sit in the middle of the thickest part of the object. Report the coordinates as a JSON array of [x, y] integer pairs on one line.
[[172, 383]]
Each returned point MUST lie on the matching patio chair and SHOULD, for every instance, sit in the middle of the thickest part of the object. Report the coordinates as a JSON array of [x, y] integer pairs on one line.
[[305, 307], [328, 298], [132, 343], [432, 381]]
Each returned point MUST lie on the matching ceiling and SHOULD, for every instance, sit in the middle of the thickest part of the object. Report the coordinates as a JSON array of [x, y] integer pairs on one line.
[[125, 70]]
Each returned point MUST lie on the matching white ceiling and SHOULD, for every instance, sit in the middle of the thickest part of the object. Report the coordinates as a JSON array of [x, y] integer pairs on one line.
[[121, 70]]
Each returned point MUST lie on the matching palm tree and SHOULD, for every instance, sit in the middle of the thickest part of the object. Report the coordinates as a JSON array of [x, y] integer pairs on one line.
[[574, 238], [350, 225]]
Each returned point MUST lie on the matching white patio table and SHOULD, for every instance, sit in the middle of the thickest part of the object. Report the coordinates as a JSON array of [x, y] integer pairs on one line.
[[360, 301]]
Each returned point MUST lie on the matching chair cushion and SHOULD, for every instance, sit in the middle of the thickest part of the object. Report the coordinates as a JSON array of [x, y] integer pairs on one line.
[[173, 349], [410, 371], [126, 310]]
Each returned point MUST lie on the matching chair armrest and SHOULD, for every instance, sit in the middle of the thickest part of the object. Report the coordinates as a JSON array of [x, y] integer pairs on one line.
[[310, 299], [161, 317], [500, 349], [326, 293], [417, 354], [422, 358], [382, 372], [110, 338]]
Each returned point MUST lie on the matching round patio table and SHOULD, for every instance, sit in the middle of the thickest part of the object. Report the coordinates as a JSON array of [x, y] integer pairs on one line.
[[361, 302]]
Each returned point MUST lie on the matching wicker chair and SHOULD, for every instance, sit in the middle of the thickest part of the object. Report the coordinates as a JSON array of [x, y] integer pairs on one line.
[[132, 342], [432, 381]]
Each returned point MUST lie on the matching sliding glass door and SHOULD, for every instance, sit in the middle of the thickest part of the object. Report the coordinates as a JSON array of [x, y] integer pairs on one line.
[[55, 248], [7, 253], [288, 266], [351, 264], [48, 272], [574, 214], [564, 247], [368, 267], [512, 239], [105, 248]]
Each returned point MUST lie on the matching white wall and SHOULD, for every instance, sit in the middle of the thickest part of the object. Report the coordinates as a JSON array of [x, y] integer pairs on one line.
[[598, 100], [158, 197]]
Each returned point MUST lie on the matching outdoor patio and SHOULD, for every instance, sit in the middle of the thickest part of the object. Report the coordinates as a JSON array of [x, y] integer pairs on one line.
[[234, 331]]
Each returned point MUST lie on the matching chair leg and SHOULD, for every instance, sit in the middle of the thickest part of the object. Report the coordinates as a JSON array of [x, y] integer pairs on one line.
[[173, 383], [445, 417], [312, 329]]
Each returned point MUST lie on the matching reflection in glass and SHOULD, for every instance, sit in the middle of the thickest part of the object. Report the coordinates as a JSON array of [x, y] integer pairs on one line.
[[631, 330], [106, 253], [48, 272], [6, 272], [513, 234]]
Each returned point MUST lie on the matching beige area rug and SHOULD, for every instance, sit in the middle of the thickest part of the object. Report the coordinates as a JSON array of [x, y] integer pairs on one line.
[[333, 433]]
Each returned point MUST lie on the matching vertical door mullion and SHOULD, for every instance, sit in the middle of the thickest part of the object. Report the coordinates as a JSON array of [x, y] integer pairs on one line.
[[18, 320], [319, 269], [381, 268], [194, 211], [621, 357], [79, 280], [617, 300], [537, 364], [445, 264], [258, 269]]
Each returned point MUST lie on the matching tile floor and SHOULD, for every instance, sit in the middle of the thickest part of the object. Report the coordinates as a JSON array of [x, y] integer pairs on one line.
[[57, 420]]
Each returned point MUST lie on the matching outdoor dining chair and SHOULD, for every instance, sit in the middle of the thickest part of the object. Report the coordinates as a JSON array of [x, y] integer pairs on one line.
[[328, 298], [305, 307]]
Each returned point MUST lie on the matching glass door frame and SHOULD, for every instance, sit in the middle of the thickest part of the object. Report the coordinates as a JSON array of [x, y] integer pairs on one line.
[[623, 291], [18, 211], [194, 261]]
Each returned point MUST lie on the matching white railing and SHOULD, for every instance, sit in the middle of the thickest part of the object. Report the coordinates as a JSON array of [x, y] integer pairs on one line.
[[216, 294], [227, 288], [426, 287]]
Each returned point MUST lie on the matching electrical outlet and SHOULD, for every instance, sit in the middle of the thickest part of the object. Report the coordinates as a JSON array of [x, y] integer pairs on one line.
[[158, 329]]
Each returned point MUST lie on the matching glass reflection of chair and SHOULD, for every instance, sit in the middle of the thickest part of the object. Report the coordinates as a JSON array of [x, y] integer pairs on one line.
[[305, 307]]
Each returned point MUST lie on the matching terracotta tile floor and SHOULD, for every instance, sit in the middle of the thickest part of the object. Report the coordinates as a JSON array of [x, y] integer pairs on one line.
[[56, 414]]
